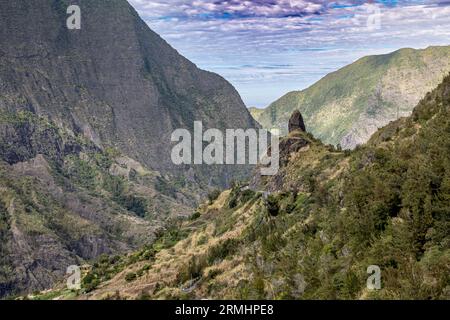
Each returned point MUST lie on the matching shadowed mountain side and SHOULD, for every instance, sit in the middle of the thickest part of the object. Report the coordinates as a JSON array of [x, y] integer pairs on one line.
[[115, 80], [86, 118]]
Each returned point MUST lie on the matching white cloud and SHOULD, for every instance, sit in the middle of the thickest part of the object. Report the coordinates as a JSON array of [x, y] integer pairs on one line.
[[224, 35]]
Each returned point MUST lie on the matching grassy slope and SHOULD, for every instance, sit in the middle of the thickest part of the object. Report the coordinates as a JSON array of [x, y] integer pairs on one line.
[[333, 214], [255, 112], [364, 93]]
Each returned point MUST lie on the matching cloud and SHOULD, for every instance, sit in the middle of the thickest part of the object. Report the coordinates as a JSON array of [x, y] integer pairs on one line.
[[311, 37], [228, 9]]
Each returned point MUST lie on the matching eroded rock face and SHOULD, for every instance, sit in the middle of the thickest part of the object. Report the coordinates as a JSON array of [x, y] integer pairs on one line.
[[50, 227], [115, 80], [68, 94], [296, 122], [289, 146], [295, 142]]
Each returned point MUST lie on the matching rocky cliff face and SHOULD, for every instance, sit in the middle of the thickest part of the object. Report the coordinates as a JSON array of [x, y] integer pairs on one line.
[[64, 201], [85, 123], [115, 80], [347, 106]]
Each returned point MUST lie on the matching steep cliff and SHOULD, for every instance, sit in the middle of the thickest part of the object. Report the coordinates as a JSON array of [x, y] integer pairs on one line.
[[114, 80], [85, 123]]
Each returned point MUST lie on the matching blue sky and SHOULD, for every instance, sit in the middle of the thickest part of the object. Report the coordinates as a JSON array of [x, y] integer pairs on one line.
[[267, 48]]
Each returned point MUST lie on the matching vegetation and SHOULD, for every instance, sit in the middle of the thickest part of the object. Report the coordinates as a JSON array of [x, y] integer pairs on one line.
[[213, 195], [328, 216], [334, 214], [195, 216], [345, 101], [42, 162], [106, 267], [239, 196], [390, 208], [6, 271]]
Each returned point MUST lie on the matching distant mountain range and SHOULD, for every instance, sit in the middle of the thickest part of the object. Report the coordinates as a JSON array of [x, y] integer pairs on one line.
[[347, 106]]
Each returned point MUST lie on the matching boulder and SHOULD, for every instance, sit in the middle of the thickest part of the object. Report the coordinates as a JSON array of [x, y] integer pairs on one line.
[[296, 122]]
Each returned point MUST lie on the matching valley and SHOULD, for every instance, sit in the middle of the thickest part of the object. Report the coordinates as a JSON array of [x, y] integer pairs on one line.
[[315, 229], [123, 160]]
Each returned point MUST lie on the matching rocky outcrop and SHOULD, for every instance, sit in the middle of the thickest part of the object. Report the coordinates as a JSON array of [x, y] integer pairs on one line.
[[296, 122], [295, 142], [23, 136]]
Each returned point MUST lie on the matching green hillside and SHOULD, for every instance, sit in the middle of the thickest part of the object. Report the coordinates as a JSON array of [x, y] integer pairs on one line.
[[347, 106], [321, 222]]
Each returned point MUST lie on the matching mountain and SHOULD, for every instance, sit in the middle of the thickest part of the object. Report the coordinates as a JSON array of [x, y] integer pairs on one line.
[[313, 230], [347, 106], [114, 80], [86, 118], [256, 112]]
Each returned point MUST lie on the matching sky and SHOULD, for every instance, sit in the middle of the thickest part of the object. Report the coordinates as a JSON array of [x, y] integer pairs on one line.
[[267, 48]]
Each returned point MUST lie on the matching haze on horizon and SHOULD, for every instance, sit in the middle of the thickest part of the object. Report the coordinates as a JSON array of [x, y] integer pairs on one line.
[[267, 48]]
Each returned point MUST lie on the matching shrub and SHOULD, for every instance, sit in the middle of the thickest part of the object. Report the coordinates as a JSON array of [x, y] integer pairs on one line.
[[134, 204], [169, 238], [222, 250], [117, 187], [165, 187], [131, 276], [238, 197], [90, 282], [246, 196], [82, 173], [213, 195], [233, 199], [193, 269], [272, 205], [195, 216]]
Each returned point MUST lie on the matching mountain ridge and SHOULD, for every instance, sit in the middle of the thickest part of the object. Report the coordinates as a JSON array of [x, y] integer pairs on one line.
[[115, 77], [348, 105]]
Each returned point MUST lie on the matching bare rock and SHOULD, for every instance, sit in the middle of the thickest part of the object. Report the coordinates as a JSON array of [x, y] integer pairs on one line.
[[296, 122]]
